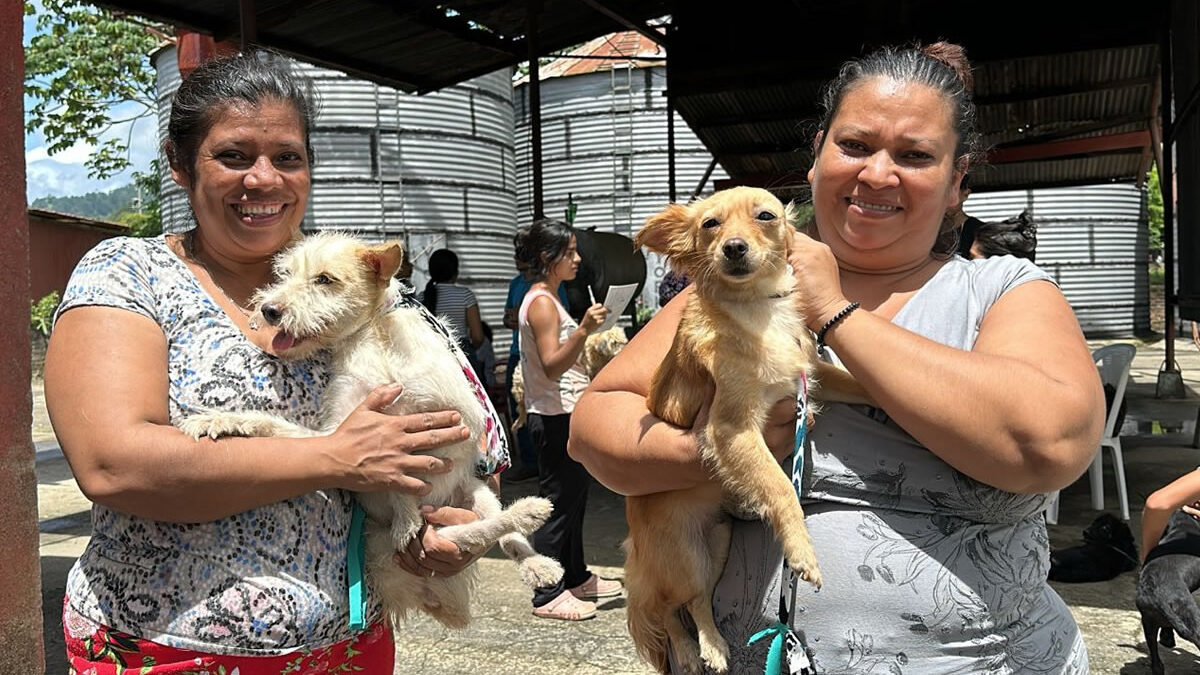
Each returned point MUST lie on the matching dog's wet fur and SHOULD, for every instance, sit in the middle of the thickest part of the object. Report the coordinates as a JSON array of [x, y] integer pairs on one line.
[[1108, 550], [1169, 576]]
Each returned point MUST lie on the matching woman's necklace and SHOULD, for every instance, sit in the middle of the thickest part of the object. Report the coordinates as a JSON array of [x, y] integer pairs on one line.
[[190, 252]]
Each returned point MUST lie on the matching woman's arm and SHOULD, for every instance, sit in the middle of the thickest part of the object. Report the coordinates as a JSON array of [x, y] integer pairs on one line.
[[557, 358], [1162, 503], [1023, 411], [474, 326], [628, 449], [106, 392]]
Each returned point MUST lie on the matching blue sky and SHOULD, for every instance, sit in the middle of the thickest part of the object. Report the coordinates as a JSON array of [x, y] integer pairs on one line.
[[64, 173]]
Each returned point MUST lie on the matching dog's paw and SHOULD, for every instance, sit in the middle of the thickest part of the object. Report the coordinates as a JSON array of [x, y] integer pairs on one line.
[[539, 571], [212, 425], [687, 653], [805, 567], [529, 513], [715, 654]]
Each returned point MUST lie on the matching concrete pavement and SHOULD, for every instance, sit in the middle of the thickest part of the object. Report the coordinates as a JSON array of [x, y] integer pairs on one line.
[[507, 639]]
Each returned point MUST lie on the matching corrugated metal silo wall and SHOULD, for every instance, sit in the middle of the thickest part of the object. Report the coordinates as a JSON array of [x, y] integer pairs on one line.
[[436, 170], [1093, 241], [584, 118]]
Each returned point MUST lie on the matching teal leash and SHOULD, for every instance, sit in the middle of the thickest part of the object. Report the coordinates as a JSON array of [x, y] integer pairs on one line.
[[780, 630], [356, 549]]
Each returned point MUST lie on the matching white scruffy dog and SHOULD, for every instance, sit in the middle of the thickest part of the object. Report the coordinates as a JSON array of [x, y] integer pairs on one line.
[[333, 294]]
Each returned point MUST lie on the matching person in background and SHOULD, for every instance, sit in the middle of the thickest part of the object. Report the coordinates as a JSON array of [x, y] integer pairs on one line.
[[227, 555], [967, 225], [551, 344], [1016, 236], [1181, 493], [487, 357], [517, 288], [444, 297], [670, 285], [926, 516]]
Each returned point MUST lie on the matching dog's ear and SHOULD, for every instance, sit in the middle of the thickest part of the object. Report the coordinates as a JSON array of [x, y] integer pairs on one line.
[[384, 260], [668, 232]]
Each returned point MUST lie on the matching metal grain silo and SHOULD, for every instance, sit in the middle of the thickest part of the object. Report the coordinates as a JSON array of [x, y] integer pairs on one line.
[[436, 170], [604, 141], [1093, 241]]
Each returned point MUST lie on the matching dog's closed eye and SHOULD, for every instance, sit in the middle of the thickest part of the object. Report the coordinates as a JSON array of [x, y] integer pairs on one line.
[[323, 279]]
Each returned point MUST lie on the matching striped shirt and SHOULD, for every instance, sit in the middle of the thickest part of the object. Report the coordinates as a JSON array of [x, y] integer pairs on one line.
[[452, 303]]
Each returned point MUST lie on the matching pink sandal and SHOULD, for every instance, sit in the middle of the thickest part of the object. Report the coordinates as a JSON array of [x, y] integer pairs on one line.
[[566, 607]]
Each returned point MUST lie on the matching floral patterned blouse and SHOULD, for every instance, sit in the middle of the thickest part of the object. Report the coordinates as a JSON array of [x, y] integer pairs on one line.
[[267, 581]]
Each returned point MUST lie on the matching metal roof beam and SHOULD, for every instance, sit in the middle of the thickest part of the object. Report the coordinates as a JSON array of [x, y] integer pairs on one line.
[[658, 38], [1023, 95], [1067, 132], [1078, 146]]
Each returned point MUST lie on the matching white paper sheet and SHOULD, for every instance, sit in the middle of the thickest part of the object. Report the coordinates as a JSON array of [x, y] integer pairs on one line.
[[617, 299]]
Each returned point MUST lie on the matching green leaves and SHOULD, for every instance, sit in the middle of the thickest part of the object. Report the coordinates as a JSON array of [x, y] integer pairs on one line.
[[84, 62], [41, 313]]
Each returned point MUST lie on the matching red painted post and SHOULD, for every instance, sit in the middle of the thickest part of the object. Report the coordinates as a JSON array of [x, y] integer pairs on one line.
[[21, 648]]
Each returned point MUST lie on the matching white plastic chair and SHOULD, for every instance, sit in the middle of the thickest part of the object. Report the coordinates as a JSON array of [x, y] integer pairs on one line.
[[1113, 362]]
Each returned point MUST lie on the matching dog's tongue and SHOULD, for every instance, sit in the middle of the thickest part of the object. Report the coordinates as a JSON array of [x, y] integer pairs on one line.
[[283, 341]]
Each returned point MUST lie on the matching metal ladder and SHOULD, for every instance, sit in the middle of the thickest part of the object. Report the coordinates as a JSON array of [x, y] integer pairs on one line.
[[622, 147]]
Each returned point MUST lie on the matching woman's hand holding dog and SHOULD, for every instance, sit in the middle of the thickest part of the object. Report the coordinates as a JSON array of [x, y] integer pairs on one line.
[[430, 555], [818, 288], [594, 318], [374, 451]]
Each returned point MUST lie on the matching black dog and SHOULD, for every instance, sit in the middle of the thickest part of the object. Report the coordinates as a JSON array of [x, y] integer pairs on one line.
[[1164, 594], [1108, 550]]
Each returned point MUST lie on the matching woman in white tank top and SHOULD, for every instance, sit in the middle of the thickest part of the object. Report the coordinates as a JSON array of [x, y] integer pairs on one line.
[[551, 343]]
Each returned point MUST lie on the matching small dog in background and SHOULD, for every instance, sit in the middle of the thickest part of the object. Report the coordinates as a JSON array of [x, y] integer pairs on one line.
[[598, 350], [333, 294], [1169, 576], [1108, 550], [741, 331]]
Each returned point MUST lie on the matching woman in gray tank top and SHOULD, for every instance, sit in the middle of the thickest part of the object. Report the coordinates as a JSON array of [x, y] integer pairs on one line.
[[925, 511]]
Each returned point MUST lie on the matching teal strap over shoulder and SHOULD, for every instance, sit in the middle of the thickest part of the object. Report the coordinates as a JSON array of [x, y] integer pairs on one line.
[[356, 549], [775, 654]]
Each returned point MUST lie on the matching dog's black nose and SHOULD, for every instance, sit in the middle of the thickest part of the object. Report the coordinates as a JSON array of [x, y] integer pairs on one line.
[[735, 249], [272, 312]]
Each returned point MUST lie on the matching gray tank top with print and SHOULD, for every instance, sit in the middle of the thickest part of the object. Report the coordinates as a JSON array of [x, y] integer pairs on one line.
[[925, 569]]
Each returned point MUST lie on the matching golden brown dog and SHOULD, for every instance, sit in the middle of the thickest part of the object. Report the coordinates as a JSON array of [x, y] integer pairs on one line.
[[742, 332]]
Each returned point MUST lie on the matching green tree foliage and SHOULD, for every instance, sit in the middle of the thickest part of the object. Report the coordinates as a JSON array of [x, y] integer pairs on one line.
[[84, 62], [98, 205], [145, 219], [41, 313], [1155, 208]]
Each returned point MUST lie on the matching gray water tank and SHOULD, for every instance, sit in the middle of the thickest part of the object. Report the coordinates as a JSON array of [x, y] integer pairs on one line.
[[435, 170], [604, 142], [1093, 241]]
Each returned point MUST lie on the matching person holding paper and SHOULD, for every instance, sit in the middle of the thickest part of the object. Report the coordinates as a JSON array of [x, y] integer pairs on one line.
[[551, 344]]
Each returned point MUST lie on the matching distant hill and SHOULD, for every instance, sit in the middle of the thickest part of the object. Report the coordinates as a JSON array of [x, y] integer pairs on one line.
[[98, 205]]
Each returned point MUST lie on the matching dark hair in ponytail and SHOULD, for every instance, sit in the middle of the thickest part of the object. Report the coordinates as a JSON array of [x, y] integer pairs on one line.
[[542, 243], [443, 267]]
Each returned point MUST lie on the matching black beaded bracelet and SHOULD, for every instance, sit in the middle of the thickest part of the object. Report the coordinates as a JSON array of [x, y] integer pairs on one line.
[[833, 322]]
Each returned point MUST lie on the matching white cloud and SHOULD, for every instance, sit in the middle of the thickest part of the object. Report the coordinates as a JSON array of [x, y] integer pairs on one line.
[[76, 154]]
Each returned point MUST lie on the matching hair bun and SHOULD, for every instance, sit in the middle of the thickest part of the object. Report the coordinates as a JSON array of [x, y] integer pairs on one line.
[[954, 56]]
